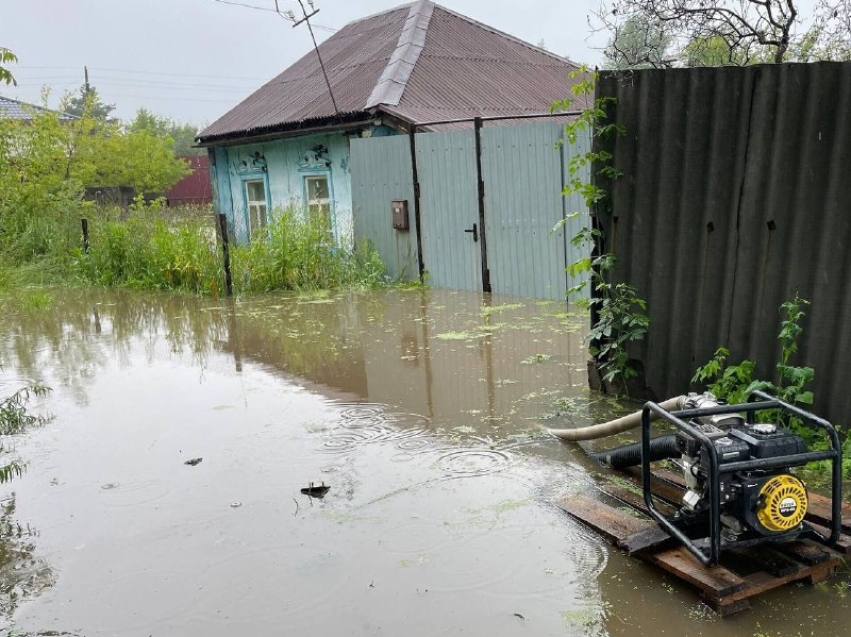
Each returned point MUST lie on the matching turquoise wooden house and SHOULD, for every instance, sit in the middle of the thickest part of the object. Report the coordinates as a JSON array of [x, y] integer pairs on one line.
[[287, 147]]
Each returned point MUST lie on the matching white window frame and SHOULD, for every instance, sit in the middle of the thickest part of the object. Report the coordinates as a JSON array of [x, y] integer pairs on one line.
[[256, 208], [323, 201]]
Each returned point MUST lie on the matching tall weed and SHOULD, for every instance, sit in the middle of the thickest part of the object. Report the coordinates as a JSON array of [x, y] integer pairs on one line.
[[293, 253]]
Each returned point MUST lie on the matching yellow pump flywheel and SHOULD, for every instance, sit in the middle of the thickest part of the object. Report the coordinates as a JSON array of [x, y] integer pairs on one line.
[[783, 503]]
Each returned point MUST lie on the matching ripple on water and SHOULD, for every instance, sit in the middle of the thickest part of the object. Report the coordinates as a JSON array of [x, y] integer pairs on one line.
[[346, 440], [472, 462], [370, 423], [135, 493], [362, 415], [587, 553]]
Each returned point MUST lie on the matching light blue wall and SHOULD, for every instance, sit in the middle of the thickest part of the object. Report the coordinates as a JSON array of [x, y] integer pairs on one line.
[[287, 162]]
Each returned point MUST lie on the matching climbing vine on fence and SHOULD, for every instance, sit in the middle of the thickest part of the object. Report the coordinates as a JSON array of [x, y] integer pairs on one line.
[[619, 312]]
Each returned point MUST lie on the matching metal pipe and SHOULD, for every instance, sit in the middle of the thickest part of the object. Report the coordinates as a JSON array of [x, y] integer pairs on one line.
[[616, 426]]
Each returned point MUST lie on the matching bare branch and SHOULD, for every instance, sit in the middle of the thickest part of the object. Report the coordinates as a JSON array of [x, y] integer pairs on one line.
[[750, 30]]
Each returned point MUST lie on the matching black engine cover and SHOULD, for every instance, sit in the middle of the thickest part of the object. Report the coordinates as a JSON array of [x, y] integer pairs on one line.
[[781, 442]]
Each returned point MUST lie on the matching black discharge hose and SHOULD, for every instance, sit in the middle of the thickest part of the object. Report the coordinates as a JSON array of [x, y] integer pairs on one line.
[[661, 448]]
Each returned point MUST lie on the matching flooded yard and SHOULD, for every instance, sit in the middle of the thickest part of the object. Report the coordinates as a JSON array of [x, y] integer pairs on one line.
[[421, 411]]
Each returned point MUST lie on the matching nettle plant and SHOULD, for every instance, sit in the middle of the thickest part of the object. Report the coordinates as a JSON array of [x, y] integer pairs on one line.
[[619, 312]]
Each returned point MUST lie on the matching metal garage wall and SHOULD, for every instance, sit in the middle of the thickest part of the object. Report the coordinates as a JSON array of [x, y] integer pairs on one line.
[[381, 173], [735, 197], [446, 166], [524, 169], [524, 172]]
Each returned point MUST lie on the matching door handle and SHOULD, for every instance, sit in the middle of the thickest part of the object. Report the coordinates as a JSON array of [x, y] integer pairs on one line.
[[475, 232]]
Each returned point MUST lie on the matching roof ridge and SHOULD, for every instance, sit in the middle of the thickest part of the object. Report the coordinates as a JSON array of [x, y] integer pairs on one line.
[[380, 13], [391, 85], [507, 36]]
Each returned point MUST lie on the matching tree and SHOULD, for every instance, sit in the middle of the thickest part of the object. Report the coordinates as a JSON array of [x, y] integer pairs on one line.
[[638, 42], [182, 135], [7, 57], [735, 31], [712, 51], [89, 102]]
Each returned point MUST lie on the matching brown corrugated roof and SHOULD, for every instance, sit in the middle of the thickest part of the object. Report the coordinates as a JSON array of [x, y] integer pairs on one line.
[[418, 62]]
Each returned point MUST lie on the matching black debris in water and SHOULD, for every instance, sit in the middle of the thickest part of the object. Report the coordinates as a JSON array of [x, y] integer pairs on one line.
[[315, 491], [193, 461]]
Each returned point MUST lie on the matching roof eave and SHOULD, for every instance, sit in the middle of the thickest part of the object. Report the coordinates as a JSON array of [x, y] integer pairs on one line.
[[341, 122]]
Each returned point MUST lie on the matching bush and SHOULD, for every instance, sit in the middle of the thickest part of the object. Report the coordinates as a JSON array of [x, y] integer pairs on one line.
[[296, 254]]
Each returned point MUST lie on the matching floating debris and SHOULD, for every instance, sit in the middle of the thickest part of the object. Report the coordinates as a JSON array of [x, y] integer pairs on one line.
[[193, 461], [315, 491], [235, 505]]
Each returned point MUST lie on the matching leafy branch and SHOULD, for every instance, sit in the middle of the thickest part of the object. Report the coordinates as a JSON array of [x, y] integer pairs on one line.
[[7, 57], [619, 314]]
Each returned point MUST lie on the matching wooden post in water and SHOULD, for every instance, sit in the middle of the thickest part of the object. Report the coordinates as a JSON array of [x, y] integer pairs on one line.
[[85, 223], [223, 230]]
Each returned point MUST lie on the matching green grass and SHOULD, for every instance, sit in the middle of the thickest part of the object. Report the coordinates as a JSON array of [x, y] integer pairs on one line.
[[153, 248]]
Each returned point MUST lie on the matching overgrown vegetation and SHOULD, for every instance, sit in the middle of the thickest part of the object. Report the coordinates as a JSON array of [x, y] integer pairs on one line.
[[297, 254], [151, 247], [48, 162], [618, 312], [735, 382]]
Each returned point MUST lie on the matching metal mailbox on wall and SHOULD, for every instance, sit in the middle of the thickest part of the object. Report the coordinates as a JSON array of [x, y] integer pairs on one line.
[[400, 214]]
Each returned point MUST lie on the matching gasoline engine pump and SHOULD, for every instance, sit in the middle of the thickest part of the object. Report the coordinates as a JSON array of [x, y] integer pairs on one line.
[[741, 489]]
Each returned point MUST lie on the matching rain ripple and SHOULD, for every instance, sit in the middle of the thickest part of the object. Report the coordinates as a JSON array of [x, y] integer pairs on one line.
[[472, 462], [369, 423]]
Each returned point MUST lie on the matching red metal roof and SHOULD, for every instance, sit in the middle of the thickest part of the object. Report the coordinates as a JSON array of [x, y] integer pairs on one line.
[[194, 189], [419, 62]]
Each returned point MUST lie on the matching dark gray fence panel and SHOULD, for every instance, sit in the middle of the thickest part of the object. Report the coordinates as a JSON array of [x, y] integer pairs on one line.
[[735, 197]]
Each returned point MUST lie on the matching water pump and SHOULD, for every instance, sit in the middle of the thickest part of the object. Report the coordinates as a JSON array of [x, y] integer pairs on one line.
[[753, 503], [739, 473]]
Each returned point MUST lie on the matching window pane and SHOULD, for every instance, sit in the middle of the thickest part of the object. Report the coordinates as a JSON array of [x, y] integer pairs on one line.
[[255, 192], [320, 214], [317, 188], [256, 216]]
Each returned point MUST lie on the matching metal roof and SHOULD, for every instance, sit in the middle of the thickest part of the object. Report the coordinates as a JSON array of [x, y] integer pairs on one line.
[[419, 62], [14, 109]]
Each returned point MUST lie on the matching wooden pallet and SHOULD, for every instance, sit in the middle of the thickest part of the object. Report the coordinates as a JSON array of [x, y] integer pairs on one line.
[[742, 573]]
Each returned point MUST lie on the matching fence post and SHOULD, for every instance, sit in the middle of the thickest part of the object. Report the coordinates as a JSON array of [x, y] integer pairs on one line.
[[480, 187], [223, 231], [412, 136], [85, 223]]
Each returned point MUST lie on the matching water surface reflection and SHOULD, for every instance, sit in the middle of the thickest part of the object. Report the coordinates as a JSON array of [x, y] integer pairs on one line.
[[418, 408]]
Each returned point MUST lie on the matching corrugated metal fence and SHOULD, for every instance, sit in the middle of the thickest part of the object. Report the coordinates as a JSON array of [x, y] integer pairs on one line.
[[735, 197], [524, 169]]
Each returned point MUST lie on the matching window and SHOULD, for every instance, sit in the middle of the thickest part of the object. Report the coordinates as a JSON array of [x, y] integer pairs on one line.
[[255, 199], [319, 201]]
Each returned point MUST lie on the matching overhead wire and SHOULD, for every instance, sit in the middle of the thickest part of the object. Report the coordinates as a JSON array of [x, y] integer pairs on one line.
[[257, 8]]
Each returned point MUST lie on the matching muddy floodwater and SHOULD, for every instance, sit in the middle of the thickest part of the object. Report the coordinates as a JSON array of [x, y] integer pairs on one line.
[[421, 411]]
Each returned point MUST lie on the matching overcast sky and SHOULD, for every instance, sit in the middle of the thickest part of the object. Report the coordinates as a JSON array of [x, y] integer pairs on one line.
[[192, 60]]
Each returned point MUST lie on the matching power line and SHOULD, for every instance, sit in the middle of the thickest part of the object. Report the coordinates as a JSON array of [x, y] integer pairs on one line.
[[255, 7], [107, 81], [289, 15], [113, 70]]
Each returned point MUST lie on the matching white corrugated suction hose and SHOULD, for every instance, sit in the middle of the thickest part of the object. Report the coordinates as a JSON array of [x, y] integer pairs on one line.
[[616, 426]]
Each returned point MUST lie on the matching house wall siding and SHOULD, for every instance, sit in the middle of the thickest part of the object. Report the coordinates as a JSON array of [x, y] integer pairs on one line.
[[286, 162]]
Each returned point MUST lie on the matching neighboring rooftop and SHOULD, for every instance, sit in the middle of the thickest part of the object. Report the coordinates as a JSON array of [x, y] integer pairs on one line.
[[419, 63], [13, 109]]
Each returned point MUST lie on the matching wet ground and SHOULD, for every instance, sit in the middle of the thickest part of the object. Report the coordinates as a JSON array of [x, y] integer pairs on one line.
[[420, 410]]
